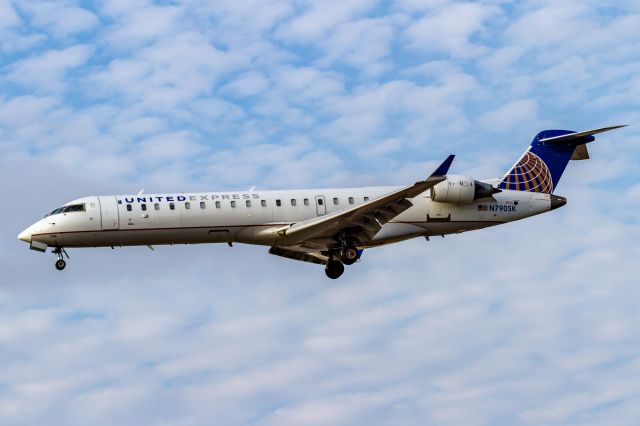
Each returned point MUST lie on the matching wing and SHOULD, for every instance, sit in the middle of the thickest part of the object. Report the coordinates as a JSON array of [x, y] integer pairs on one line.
[[361, 222], [296, 253]]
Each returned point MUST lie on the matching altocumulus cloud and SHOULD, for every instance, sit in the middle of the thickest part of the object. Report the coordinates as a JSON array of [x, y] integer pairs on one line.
[[531, 323]]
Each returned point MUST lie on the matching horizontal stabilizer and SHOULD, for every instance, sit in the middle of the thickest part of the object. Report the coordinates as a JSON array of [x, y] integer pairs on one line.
[[579, 135]]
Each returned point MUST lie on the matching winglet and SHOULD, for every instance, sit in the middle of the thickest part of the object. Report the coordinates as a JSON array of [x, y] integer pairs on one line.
[[444, 167]]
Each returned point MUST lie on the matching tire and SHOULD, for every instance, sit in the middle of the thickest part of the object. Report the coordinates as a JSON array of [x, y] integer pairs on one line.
[[60, 264], [334, 269], [349, 255]]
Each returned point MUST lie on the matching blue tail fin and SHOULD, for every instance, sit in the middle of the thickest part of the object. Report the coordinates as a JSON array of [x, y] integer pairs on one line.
[[541, 166]]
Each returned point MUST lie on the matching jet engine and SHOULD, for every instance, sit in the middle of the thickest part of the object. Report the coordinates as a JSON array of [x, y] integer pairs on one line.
[[458, 189]]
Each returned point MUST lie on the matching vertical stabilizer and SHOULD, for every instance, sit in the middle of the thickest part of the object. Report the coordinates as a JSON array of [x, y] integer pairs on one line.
[[542, 164]]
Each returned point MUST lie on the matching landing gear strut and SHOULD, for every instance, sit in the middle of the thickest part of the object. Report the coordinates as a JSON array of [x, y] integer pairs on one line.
[[334, 269], [60, 263]]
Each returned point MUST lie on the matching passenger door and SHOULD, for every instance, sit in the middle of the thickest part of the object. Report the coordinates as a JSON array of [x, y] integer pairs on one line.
[[109, 212]]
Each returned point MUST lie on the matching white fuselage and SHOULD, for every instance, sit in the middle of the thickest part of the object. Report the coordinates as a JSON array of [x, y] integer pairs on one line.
[[254, 217]]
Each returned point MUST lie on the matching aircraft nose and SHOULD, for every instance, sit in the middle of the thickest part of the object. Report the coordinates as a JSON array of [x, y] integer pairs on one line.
[[25, 236]]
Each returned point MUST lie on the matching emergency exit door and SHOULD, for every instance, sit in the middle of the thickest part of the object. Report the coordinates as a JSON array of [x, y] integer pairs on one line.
[[321, 206]]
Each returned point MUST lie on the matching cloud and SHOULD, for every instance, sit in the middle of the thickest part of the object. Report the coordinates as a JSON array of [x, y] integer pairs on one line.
[[8, 16], [60, 20], [345, 45], [167, 73], [449, 30], [168, 146], [509, 115], [550, 24], [137, 25], [248, 84], [320, 17], [48, 71]]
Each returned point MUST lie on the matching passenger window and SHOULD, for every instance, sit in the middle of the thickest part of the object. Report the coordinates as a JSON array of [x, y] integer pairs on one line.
[[172, 206], [203, 205], [218, 205], [129, 207], [335, 201], [248, 203], [263, 203], [233, 204], [351, 201], [156, 206], [143, 207], [366, 199], [320, 201], [306, 201], [293, 202], [278, 203], [187, 205]]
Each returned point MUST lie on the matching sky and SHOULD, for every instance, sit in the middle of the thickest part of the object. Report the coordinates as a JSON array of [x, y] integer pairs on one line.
[[535, 322]]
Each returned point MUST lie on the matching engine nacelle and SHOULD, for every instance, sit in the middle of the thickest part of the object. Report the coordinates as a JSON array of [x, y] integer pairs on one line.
[[458, 189]]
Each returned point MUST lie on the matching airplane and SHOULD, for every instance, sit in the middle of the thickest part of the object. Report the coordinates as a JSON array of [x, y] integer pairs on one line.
[[330, 227]]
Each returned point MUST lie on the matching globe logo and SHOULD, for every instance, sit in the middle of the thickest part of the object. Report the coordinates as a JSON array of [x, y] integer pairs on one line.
[[530, 174]]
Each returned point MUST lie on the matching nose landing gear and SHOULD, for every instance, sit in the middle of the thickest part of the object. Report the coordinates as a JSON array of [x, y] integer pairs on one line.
[[60, 263]]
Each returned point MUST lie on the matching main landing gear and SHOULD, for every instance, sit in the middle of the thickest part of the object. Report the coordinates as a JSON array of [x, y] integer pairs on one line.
[[60, 263], [334, 269], [349, 255], [337, 259]]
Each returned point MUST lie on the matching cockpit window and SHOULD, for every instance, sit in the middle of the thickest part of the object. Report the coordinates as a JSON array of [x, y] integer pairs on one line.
[[67, 209], [74, 208], [56, 211]]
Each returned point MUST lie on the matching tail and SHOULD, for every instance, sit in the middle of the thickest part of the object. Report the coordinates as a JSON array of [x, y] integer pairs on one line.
[[542, 164]]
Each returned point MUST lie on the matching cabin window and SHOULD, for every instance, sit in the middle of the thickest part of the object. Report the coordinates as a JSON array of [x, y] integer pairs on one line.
[[143, 207], [233, 204], [129, 207], [187, 205], [218, 205], [335, 201], [305, 201], [320, 201], [263, 203], [278, 203], [156, 206], [248, 203], [351, 201], [366, 199], [293, 202], [203, 205], [172, 206]]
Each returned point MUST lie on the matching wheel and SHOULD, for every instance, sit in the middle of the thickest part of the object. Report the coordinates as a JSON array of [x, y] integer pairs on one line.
[[334, 269], [60, 264], [349, 255]]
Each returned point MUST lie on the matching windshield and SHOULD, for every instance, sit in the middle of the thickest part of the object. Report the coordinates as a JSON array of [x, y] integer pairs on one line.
[[68, 209]]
